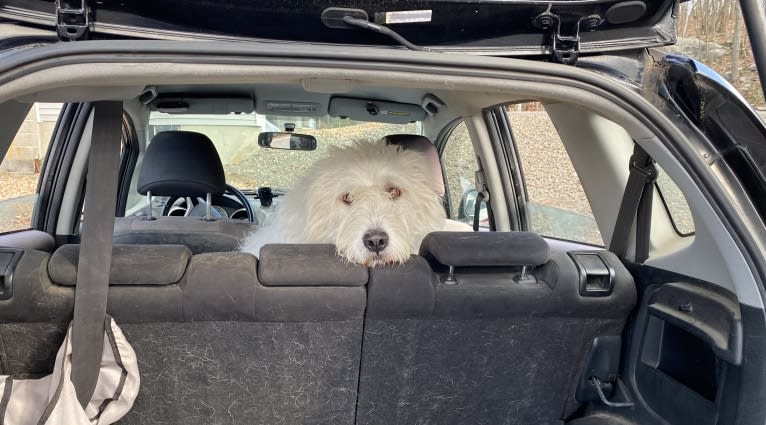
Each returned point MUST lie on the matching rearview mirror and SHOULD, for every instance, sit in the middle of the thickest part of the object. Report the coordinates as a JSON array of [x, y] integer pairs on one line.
[[285, 140]]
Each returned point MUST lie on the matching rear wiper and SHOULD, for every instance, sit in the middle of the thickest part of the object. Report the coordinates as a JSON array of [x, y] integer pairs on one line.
[[347, 18]]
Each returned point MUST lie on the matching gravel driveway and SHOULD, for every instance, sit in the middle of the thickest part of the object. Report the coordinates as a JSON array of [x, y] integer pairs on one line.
[[16, 202]]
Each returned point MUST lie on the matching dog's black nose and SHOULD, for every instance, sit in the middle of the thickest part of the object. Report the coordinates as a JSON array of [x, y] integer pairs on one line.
[[375, 240]]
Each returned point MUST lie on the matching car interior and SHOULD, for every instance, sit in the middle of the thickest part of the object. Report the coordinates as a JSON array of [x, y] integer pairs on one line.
[[511, 323]]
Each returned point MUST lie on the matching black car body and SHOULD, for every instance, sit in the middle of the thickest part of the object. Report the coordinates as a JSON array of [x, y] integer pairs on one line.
[[654, 324]]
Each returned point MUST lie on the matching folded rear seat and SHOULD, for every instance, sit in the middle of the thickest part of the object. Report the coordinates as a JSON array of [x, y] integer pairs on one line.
[[220, 337], [503, 341], [224, 338]]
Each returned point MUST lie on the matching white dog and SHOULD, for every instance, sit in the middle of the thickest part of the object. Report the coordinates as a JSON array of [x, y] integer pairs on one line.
[[374, 201]]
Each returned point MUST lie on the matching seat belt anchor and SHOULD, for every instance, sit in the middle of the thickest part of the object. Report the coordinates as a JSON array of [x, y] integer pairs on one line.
[[598, 385], [648, 169]]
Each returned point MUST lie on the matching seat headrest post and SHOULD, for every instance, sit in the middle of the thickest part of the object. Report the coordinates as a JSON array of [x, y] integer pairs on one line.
[[450, 279], [524, 277], [209, 207], [149, 205]]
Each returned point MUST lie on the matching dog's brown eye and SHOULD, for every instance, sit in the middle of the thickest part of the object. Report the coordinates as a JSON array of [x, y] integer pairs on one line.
[[395, 192], [346, 198]]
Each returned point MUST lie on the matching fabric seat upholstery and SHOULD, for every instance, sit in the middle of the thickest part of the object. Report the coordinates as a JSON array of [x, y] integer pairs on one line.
[[492, 348], [213, 340]]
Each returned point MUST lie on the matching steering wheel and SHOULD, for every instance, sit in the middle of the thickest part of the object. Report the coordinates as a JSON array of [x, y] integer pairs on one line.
[[230, 190]]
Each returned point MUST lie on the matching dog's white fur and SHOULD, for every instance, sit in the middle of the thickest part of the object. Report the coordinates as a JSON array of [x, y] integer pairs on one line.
[[314, 211]]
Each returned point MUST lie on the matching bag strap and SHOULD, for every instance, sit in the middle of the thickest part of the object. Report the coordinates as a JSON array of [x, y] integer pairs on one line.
[[636, 204], [95, 261]]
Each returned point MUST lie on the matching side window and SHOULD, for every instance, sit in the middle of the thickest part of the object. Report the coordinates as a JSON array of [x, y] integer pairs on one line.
[[460, 165], [675, 204], [20, 168], [556, 203]]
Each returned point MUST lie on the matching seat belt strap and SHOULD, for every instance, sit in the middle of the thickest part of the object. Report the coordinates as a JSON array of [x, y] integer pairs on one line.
[[636, 202], [481, 197], [644, 223], [95, 260], [477, 210]]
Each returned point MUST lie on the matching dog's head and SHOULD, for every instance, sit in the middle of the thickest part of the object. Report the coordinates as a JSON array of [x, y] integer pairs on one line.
[[375, 202]]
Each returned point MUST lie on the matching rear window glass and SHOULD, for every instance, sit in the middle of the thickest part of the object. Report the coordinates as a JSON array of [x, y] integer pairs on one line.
[[675, 204]]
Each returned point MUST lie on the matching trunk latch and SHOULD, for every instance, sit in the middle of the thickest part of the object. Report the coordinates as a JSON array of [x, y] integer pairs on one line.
[[565, 47], [72, 21]]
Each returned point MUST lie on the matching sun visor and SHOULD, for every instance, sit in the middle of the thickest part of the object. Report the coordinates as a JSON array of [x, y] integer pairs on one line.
[[202, 105], [376, 110]]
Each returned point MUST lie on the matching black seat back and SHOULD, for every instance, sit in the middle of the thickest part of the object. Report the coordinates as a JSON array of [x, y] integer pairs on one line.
[[214, 340], [504, 344], [303, 337]]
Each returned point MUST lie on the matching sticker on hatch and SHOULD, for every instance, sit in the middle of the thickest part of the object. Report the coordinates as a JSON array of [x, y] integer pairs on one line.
[[403, 17]]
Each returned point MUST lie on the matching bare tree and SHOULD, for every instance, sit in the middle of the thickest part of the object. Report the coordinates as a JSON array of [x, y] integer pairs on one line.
[[735, 46]]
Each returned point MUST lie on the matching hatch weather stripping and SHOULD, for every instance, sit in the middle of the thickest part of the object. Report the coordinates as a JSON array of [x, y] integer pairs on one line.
[[346, 18]]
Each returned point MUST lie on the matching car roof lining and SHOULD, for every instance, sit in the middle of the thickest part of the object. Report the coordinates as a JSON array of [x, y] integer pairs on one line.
[[84, 93], [464, 96], [458, 103]]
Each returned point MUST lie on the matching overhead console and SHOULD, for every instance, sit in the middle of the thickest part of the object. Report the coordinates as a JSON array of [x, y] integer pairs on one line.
[[291, 101], [196, 103], [376, 110], [202, 105]]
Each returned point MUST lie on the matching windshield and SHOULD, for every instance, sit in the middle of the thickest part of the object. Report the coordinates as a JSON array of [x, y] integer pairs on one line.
[[249, 166]]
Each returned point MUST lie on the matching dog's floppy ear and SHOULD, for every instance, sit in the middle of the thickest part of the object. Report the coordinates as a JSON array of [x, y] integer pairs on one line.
[[421, 144]]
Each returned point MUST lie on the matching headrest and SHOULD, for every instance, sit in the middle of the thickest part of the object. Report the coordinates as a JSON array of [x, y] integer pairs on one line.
[[307, 265], [485, 249], [423, 145], [131, 264], [181, 163]]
